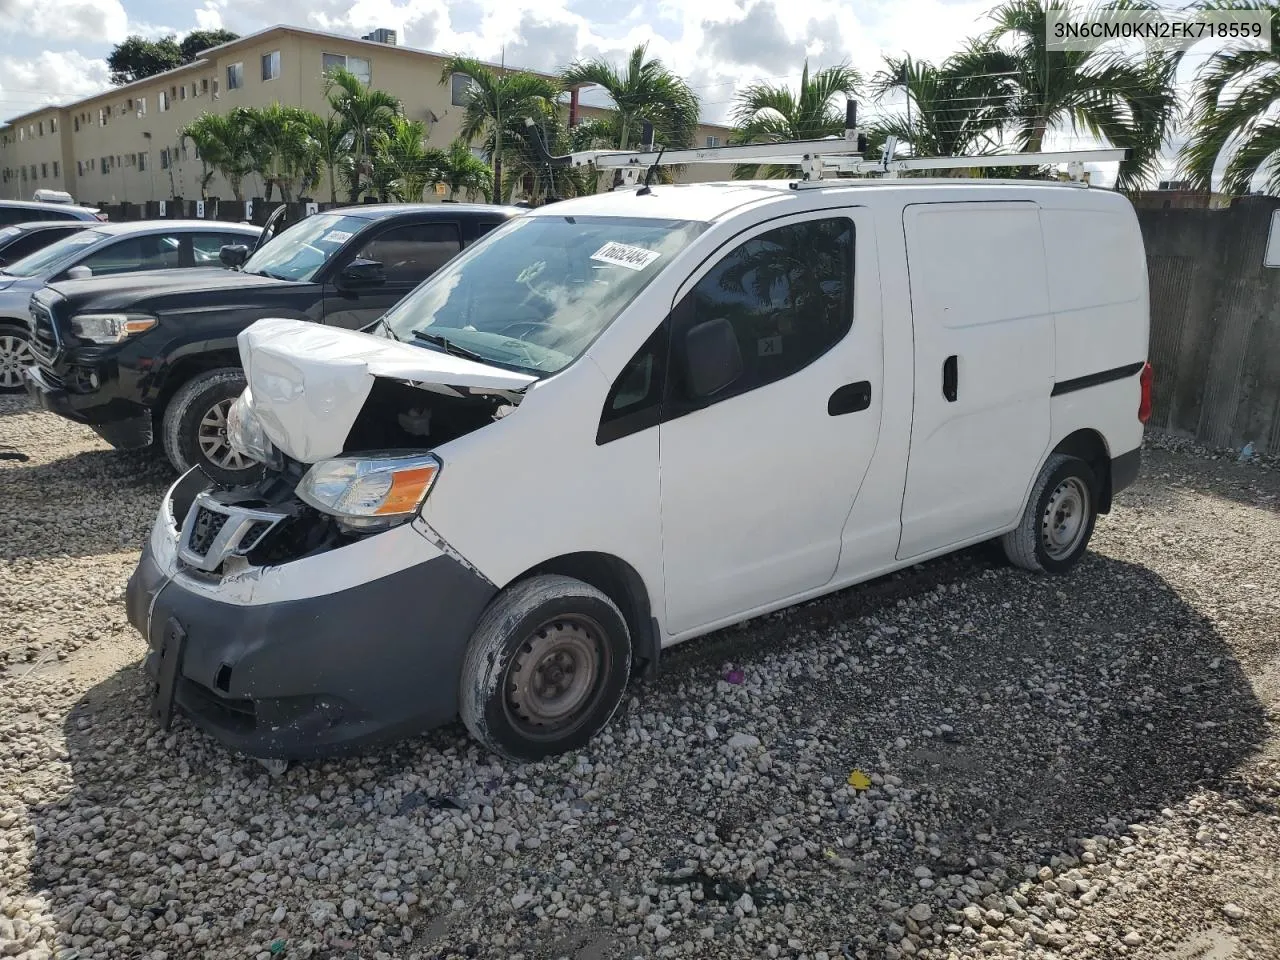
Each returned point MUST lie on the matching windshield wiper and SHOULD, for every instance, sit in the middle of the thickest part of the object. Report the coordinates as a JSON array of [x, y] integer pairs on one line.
[[449, 346]]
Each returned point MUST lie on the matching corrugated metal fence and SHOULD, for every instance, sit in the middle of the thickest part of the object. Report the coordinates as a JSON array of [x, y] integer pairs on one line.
[[1215, 324]]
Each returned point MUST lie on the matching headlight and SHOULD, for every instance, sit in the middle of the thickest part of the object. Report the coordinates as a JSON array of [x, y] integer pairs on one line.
[[110, 327], [244, 430], [374, 491]]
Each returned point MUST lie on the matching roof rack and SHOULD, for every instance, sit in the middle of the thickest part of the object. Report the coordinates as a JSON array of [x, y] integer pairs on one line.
[[846, 154]]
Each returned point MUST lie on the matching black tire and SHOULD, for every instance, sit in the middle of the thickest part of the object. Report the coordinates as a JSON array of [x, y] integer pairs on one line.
[[1058, 521], [202, 396], [15, 354], [538, 632]]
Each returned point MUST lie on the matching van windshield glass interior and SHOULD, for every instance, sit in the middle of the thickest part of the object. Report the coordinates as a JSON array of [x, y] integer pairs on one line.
[[534, 293], [299, 252], [56, 255]]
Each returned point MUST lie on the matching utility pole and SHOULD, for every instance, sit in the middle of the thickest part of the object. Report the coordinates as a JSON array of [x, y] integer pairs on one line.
[[906, 85]]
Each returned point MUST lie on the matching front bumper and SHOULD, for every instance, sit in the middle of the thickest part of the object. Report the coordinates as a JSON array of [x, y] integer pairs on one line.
[[346, 668], [122, 423]]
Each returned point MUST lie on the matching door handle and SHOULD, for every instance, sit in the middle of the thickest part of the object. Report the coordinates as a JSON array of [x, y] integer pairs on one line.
[[850, 398], [950, 375]]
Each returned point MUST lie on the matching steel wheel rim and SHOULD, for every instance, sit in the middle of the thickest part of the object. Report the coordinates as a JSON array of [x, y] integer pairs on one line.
[[215, 445], [1065, 518], [554, 677], [15, 357]]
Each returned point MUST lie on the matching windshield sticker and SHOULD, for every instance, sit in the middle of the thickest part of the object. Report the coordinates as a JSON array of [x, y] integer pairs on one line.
[[336, 236], [625, 255]]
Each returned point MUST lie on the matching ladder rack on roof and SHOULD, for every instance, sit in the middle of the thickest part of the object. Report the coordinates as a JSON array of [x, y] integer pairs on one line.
[[814, 157]]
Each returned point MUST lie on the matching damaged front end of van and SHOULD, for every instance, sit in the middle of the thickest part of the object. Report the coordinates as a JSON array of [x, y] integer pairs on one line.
[[314, 610]]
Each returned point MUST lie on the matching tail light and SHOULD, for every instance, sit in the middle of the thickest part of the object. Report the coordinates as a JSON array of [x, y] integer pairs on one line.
[[1144, 404]]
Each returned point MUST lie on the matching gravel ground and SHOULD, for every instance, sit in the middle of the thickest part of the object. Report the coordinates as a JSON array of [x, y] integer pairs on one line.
[[1081, 767]]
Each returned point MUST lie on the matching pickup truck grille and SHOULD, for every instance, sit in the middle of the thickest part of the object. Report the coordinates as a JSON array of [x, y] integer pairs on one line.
[[44, 334]]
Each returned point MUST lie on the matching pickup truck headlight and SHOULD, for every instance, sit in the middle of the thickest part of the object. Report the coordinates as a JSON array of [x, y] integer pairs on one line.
[[244, 430], [110, 327], [370, 492]]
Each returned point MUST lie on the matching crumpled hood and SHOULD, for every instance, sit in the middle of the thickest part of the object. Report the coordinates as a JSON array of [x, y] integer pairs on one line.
[[308, 382]]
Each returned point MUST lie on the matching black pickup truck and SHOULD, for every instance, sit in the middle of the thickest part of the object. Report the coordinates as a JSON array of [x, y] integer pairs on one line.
[[154, 355]]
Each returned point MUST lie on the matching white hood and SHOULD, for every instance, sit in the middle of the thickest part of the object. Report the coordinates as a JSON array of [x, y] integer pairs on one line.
[[308, 382]]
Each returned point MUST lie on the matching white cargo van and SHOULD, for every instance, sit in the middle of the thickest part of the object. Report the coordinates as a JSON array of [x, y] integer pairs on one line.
[[625, 420]]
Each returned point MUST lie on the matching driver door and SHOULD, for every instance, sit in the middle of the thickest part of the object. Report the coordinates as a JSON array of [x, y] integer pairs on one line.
[[409, 254]]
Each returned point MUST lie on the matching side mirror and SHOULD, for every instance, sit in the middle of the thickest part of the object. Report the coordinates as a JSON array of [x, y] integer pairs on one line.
[[233, 255], [712, 358], [80, 272], [361, 273]]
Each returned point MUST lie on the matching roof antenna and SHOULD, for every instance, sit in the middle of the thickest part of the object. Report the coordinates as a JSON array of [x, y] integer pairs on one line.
[[646, 138]]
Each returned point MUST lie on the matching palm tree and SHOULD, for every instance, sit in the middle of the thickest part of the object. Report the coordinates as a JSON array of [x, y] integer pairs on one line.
[[327, 135], [949, 112], [645, 90], [283, 147], [361, 111], [225, 142], [497, 106], [461, 171], [1124, 100], [1233, 114], [764, 113], [403, 164]]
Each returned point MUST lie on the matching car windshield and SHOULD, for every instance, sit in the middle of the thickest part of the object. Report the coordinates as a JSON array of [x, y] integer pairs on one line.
[[537, 291], [56, 255], [299, 252]]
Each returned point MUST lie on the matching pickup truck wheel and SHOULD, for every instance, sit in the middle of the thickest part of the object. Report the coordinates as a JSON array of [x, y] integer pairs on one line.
[[15, 357], [195, 428], [546, 668], [1058, 520]]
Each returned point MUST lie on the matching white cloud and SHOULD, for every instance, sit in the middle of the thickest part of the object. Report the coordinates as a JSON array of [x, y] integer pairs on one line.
[[93, 21], [49, 78]]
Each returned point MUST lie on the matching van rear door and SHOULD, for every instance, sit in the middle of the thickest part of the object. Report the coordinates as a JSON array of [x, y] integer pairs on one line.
[[984, 367]]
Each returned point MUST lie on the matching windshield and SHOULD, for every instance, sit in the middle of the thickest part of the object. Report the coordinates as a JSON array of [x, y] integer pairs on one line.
[[536, 292], [56, 255], [299, 252]]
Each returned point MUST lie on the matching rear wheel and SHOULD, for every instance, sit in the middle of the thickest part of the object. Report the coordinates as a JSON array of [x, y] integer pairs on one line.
[[15, 357], [195, 428], [1058, 520], [546, 668]]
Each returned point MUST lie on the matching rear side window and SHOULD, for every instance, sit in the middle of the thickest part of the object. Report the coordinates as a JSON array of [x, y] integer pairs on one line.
[[10, 215], [136, 253], [206, 248], [30, 242], [412, 252], [787, 293]]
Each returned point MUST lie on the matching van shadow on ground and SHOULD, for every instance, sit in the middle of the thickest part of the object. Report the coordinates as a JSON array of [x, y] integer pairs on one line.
[[1076, 705]]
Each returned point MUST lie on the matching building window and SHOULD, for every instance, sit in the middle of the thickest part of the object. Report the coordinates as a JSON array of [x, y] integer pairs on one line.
[[204, 84], [235, 76], [53, 124], [56, 172], [102, 116], [142, 161], [358, 66], [164, 101], [22, 134], [142, 106], [128, 105], [42, 128], [44, 171], [173, 93], [216, 94], [713, 141], [31, 129], [24, 174], [460, 87], [271, 65], [164, 159], [182, 92]]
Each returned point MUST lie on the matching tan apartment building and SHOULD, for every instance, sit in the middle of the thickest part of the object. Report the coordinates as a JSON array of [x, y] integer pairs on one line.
[[122, 145]]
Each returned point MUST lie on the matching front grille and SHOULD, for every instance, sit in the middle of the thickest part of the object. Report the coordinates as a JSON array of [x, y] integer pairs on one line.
[[204, 531], [44, 334]]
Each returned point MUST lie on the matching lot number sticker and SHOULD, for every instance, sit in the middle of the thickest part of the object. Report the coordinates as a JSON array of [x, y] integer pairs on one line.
[[625, 255], [336, 236]]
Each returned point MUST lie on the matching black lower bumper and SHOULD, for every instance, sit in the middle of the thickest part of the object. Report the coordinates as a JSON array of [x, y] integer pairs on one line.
[[1124, 470], [123, 424], [318, 676]]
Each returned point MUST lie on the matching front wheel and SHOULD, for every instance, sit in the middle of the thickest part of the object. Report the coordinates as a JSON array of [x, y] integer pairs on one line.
[[546, 668], [1058, 520], [195, 428], [15, 357]]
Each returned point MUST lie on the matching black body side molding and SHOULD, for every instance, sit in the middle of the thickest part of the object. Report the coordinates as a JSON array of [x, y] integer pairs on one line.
[[1096, 379]]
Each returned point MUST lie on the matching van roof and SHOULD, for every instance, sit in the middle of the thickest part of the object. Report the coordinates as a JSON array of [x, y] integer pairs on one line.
[[705, 202]]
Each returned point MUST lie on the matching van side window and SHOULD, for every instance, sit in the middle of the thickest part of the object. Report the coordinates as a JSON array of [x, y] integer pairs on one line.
[[634, 402], [787, 293]]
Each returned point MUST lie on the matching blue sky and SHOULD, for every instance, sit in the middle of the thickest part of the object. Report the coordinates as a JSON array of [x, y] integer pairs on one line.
[[53, 50]]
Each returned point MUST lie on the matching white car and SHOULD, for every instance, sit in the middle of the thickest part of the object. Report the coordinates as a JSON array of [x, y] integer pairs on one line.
[[623, 421]]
